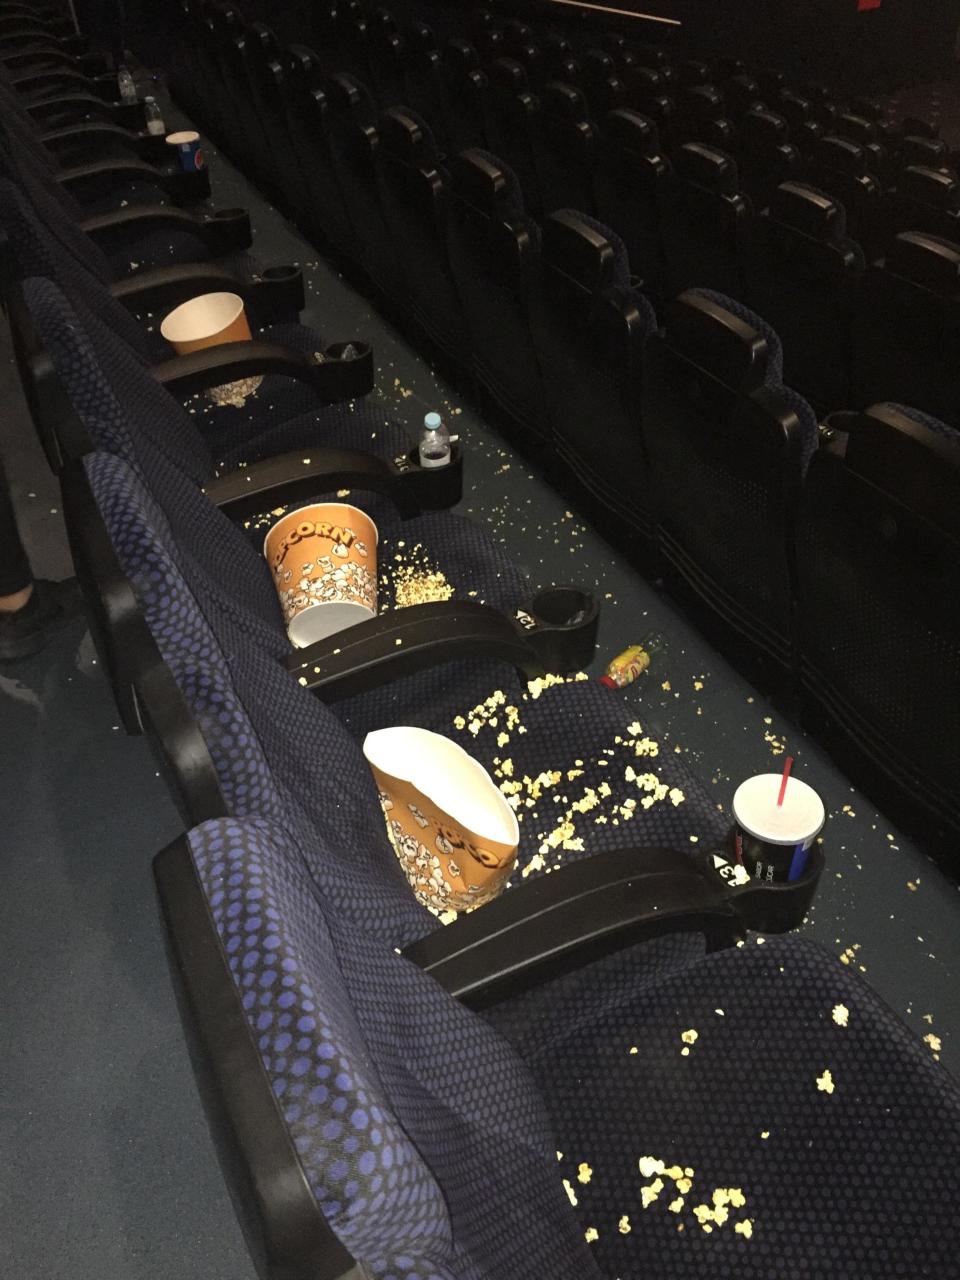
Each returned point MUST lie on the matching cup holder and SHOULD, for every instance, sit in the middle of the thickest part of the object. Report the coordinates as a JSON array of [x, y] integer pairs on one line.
[[566, 622], [345, 351], [280, 292], [232, 227], [564, 607], [779, 906]]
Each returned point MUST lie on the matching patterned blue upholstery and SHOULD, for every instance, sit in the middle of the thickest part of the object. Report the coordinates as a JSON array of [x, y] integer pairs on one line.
[[131, 414], [416, 1124], [54, 247], [755, 1112], [928, 421]]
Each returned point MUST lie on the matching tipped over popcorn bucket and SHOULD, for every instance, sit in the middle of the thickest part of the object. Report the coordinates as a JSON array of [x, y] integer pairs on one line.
[[211, 320], [324, 563], [454, 833]]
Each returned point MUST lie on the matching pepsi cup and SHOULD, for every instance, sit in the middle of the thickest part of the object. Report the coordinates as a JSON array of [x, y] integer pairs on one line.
[[772, 842], [187, 146]]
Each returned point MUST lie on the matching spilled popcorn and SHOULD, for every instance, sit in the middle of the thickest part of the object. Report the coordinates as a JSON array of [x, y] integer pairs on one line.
[[711, 1214]]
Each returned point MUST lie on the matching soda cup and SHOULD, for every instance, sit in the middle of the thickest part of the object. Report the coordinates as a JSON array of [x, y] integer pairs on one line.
[[772, 841], [189, 154]]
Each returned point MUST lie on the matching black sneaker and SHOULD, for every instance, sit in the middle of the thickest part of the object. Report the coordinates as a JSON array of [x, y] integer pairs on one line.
[[31, 628]]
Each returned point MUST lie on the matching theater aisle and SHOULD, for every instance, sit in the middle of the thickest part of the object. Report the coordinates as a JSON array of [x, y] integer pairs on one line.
[[108, 1169]]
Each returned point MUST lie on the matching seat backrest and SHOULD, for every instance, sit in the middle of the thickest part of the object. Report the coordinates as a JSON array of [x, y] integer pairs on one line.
[[565, 146], [766, 156], [706, 221], [414, 191], [494, 247], [907, 326], [391, 1050], [728, 445], [465, 85], [841, 168], [629, 187], [879, 571], [307, 116], [354, 141], [510, 118], [926, 199], [422, 73], [801, 275], [590, 325], [741, 94]]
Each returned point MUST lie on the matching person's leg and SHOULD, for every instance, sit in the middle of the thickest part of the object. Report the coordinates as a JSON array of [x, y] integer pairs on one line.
[[32, 610], [16, 580]]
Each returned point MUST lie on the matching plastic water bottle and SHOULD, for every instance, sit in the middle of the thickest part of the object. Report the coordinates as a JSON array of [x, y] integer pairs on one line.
[[434, 442], [154, 117], [128, 90]]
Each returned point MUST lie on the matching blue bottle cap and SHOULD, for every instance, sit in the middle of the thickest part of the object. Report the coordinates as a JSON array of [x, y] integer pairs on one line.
[[432, 421]]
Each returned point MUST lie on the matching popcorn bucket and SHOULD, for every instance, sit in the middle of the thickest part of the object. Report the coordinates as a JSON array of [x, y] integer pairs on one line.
[[454, 833], [211, 320], [324, 563]]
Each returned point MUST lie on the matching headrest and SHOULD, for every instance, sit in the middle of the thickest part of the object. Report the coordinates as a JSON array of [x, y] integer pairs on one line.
[[708, 167], [811, 212], [653, 55], [929, 261], [646, 82], [928, 153], [596, 64], [632, 132], [762, 128], [703, 101], [555, 45], [725, 340], [729, 66], [903, 451], [918, 127], [857, 128], [463, 54], [794, 105], [420, 37], [509, 74], [404, 135], [935, 187], [382, 20], [842, 155], [486, 182], [518, 34], [742, 91], [585, 251], [564, 101], [350, 95], [693, 71], [302, 61]]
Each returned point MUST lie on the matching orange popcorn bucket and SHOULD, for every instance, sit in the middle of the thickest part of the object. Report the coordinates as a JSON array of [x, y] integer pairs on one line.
[[454, 833], [324, 564]]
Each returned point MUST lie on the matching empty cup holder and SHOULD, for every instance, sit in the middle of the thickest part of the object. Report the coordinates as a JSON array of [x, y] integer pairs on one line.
[[232, 229], [280, 295], [565, 623]]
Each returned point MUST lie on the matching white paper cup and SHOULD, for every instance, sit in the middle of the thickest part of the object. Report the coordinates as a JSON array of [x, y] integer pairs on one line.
[[773, 841], [324, 564]]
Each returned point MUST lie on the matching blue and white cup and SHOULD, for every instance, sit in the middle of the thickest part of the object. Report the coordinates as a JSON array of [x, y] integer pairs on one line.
[[189, 153], [772, 842]]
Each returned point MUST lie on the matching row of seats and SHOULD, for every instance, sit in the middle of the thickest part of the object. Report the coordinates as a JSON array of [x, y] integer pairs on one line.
[[504, 1095], [684, 442]]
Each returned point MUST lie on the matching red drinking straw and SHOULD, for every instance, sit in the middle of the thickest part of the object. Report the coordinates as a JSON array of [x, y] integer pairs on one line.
[[783, 784]]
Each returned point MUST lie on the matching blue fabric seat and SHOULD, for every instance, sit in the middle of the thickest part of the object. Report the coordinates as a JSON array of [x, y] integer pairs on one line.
[[762, 1099]]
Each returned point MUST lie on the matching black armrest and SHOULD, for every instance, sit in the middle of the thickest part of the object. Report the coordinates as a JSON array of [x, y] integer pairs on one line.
[[84, 104], [291, 476], [582, 911], [278, 1211], [52, 77], [146, 146], [220, 233], [163, 288], [405, 641], [104, 171], [332, 379]]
